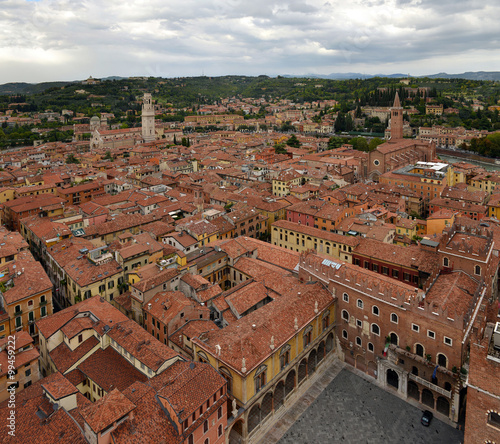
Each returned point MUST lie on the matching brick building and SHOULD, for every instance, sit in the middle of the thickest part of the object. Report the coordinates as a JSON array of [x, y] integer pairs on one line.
[[413, 340], [482, 423], [412, 264]]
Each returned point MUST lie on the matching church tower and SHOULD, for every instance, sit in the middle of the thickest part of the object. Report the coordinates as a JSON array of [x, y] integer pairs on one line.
[[148, 119], [396, 119]]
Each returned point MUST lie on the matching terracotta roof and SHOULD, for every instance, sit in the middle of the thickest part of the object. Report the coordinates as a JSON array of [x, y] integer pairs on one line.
[[161, 277], [63, 357], [247, 297], [110, 370], [58, 386], [250, 336], [105, 411], [95, 305], [51, 427], [187, 385], [453, 292], [410, 257], [321, 234], [140, 344], [32, 280], [150, 423]]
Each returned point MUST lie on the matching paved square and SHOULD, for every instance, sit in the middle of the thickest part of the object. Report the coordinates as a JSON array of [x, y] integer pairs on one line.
[[352, 410]]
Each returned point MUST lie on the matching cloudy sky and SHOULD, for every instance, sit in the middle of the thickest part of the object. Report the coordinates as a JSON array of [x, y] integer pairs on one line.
[[72, 39]]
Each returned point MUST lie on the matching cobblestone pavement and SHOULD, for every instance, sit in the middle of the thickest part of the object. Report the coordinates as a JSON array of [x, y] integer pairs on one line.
[[353, 410]]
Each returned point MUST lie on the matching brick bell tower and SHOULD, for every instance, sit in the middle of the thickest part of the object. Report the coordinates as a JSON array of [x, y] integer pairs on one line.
[[396, 119]]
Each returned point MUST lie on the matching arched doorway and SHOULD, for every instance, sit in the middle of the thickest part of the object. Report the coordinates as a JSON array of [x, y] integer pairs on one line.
[[290, 382], [427, 398], [236, 433], [266, 406], [443, 406], [329, 343], [302, 370], [442, 360], [413, 391], [253, 418], [392, 378], [279, 395], [311, 361], [419, 350]]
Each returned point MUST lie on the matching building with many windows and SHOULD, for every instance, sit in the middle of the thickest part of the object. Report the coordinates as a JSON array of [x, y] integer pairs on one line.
[[409, 339]]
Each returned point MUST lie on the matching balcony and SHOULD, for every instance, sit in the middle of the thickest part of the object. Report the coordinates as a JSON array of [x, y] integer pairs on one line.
[[430, 385], [18, 313]]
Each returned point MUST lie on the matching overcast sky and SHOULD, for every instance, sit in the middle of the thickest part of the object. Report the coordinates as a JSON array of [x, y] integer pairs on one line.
[[48, 40]]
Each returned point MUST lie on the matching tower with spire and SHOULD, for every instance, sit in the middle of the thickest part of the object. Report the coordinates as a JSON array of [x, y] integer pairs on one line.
[[148, 119], [396, 119]]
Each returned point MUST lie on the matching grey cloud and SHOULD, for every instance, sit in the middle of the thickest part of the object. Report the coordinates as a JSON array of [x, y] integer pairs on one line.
[[237, 36]]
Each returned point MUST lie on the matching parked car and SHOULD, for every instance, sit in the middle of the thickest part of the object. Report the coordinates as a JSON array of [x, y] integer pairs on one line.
[[426, 418]]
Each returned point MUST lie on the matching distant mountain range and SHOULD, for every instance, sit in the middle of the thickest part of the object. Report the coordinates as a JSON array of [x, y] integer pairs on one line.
[[33, 88], [470, 75]]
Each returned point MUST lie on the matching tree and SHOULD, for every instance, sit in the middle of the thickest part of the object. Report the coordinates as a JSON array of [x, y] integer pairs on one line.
[[374, 143], [293, 141], [359, 143], [335, 142], [279, 148], [72, 159], [108, 156]]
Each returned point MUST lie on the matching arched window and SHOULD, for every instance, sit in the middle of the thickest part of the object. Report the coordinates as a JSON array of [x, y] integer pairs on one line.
[[394, 339], [419, 350], [325, 321], [205, 427], [359, 303], [307, 337], [202, 357], [375, 310], [226, 374], [477, 270], [344, 334], [260, 377], [370, 347], [345, 297], [446, 262], [284, 356], [394, 318], [345, 315], [375, 329], [358, 341], [442, 360]]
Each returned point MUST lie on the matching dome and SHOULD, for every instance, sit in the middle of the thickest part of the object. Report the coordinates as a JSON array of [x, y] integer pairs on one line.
[[95, 119]]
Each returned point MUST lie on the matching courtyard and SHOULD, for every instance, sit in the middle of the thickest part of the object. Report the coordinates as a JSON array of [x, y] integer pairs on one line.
[[353, 410]]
